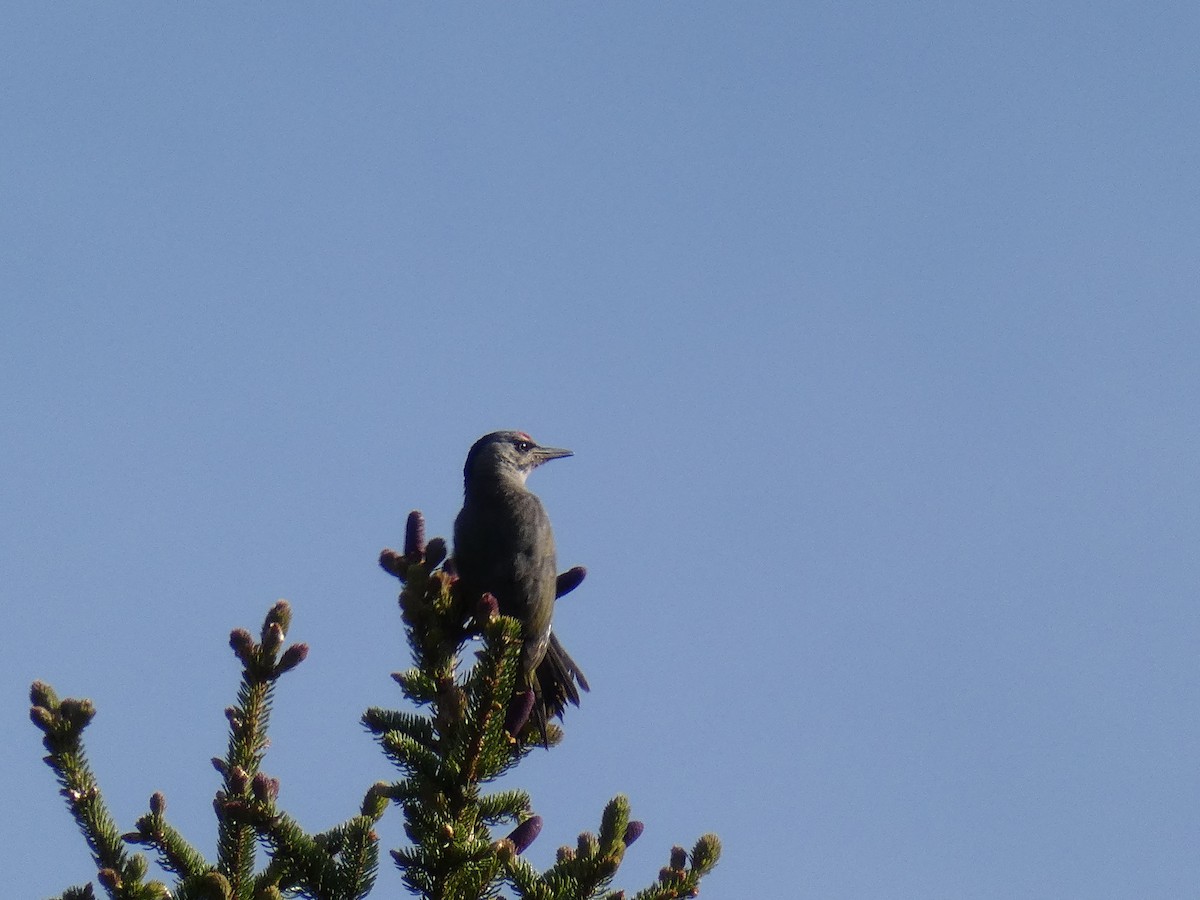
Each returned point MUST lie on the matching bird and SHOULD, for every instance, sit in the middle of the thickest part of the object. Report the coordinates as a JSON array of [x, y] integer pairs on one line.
[[504, 545]]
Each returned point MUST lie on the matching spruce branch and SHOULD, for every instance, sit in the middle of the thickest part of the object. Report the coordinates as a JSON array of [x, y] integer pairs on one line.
[[174, 853], [472, 724], [681, 877], [473, 728], [247, 743], [62, 723], [339, 864]]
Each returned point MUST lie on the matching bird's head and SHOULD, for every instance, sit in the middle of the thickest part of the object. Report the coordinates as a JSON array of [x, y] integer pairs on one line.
[[504, 456]]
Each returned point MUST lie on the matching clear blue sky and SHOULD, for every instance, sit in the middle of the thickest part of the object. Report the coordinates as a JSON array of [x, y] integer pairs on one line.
[[874, 328]]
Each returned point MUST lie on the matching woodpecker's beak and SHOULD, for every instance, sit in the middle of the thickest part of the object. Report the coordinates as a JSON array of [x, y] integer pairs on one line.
[[545, 454]]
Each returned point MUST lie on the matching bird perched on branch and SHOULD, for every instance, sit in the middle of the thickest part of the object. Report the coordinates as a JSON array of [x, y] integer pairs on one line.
[[503, 545]]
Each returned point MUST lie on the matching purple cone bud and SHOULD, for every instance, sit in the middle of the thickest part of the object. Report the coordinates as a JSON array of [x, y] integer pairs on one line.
[[678, 858], [158, 803], [414, 534], [264, 787], [219, 765], [272, 638], [239, 780], [519, 710], [281, 614], [232, 809], [41, 694], [292, 657], [77, 712], [569, 580], [242, 644], [525, 833], [435, 552], [488, 608], [393, 563], [633, 831], [41, 717]]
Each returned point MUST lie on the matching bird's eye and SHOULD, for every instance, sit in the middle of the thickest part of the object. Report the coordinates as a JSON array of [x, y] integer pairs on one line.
[[524, 446]]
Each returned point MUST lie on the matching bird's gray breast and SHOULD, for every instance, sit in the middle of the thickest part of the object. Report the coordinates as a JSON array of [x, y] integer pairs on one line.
[[505, 545]]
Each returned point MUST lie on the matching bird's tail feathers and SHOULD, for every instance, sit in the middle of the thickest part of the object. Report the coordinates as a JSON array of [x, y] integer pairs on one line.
[[557, 679], [558, 675]]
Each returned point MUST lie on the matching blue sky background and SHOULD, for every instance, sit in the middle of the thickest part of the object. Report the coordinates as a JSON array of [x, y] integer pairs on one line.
[[874, 329]]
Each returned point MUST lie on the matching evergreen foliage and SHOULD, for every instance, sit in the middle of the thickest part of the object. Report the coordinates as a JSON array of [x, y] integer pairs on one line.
[[469, 729]]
